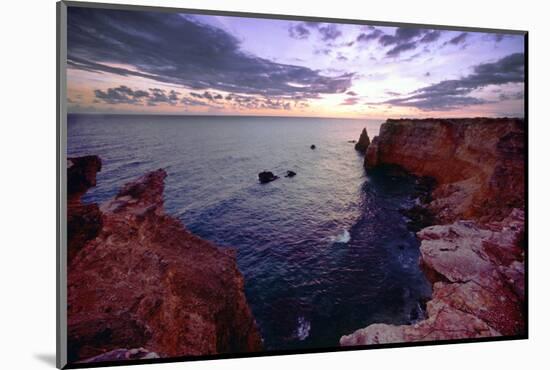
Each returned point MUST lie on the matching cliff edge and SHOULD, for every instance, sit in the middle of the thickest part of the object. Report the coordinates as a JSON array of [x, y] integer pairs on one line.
[[478, 163], [140, 284], [474, 254]]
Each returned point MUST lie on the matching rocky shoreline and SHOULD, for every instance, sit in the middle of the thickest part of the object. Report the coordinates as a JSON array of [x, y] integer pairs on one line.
[[140, 285], [474, 252]]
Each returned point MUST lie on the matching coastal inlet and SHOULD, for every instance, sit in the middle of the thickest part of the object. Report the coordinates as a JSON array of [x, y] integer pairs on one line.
[[323, 253]]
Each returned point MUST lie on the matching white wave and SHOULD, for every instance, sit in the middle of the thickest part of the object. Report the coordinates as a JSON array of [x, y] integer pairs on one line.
[[304, 326], [343, 238]]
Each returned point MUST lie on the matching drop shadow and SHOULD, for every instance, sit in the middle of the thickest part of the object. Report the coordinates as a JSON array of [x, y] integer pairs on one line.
[[46, 358]]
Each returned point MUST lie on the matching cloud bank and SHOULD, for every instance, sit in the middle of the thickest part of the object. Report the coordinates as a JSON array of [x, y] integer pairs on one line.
[[177, 49], [451, 94]]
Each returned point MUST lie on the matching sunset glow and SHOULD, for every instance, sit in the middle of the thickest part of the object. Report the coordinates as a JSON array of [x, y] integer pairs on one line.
[[164, 63]]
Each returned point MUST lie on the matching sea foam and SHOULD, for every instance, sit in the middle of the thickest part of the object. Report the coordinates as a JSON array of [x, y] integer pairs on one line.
[[304, 326], [343, 238]]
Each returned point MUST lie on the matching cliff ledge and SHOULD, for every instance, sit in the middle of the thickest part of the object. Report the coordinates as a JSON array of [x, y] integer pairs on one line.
[[474, 254], [140, 280]]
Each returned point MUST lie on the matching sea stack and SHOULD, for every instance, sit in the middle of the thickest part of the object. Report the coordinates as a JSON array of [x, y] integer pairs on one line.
[[363, 143], [141, 286], [474, 253]]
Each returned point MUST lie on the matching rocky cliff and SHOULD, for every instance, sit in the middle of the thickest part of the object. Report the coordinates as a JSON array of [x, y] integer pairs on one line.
[[139, 284], [478, 163], [84, 221], [474, 255]]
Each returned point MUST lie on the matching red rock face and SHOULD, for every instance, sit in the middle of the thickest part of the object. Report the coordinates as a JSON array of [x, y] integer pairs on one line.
[[84, 221], [145, 281], [81, 174], [122, 354], [478, 163], [475, 258]]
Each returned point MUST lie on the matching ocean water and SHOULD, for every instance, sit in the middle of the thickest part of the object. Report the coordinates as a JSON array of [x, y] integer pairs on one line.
[[323, 253]]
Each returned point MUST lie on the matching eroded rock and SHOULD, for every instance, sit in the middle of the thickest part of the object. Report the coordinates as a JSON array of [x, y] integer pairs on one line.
[[478, 163], [84, 221], [363, 143], [475, 293], [122, 354], [475, 256], [145, 282]]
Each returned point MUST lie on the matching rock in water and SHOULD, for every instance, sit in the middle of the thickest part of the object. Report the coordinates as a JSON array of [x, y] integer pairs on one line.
[[144, 281], [363, 142], [312, 146], [290, 173], [267, 176]]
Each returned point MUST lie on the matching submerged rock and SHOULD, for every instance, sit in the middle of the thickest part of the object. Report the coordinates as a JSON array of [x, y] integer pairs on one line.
[[363, 142], [144, 281], [290, 173], [266, 176]]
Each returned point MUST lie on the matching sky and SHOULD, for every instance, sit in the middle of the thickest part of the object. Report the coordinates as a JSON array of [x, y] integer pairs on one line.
[[167, 63]]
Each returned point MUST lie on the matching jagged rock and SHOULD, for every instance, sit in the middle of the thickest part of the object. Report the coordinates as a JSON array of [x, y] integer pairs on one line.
[[475, 258], [476, 292], [84, 221], [419, 217], [122, 354], [266, 176], [145, 281], [478, 163], [81, 174], [363, 142], [290, 173], [444, 324]]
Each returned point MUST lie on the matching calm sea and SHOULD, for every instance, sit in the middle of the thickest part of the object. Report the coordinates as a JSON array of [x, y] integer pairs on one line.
[[323, 253]]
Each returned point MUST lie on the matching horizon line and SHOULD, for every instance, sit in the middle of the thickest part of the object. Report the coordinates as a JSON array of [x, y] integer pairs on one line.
[[277, 116]]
